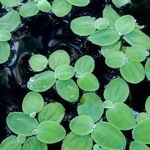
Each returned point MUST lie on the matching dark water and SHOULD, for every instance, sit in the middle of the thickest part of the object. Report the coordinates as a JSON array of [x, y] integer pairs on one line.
[[44, 34]]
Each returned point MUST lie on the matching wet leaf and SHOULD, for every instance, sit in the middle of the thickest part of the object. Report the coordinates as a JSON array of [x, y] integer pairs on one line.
[[82, 125], [79, 3]]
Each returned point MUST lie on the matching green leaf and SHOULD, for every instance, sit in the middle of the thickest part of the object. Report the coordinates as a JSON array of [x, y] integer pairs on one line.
[[50, 132], [147, 105], [141, 130], [137, 37], [121, 116], [44, 6], [110, 14], [85, 109], [52, 112], [83, 25], [147, 68], [136, 53], [79, 3], [109, 136], [20, 123], [38, 62], [10, 21], [64, 72], [4, 35], [33, 144], [58, 58], [101, 23], [133, 72], [28, 9], [120, 3], [115, 59], [4, 52], [142, 116], [21, 138], [84, 64], [104, 37], [116, 90], [10, 3], [61, 8], [82, 125], [125, 24], [33, 103], [88, 82], [76, 142], [68, 90], [41, 82], [135, 145], [10, 143]]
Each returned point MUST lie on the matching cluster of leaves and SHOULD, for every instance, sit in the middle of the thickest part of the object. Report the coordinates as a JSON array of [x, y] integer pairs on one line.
[[122, 42], [12, 19], [59, 75]]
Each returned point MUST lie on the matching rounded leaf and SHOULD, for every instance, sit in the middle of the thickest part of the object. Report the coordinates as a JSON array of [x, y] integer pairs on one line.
[[79, 3], [117, 90], [133, 72], [142, 116], [68, 90], [147, 68], [58, 58], [147, 105], [38, 62], [83, 26], [50, 132], [120, 3], [4, 35], [109, 136], [41, 82], [85, 109], [135, 145], [82, 125], [33, 103], [101, 23], [20, 123], [88, 82], [44, 5], [10, 3], [52, 112], [74, 142]]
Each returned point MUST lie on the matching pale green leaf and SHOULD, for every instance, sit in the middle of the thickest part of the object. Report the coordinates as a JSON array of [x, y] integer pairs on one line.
[[142, 116], [44, 5], [120, 3], [4, 35], [135, 145], [10, 3], [79, 3], [147, 105], [147, 68], [101, 23]]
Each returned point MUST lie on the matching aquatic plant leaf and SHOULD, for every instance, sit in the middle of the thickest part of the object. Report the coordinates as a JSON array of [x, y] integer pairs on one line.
[[11, 143], [68, 90], [79, 3], [88, 82], [125, 24], [82, 125], [137, 37], [4, 52], [103, 134], [64, 72], [84, 64], [133, 72], [44, 6], [38, 62], [121, 116], [33, 103], [142, 116], [41, 82], [136, 53], [101, 23], [10, 21], [20, 123], [120, 3], [117, 90], [10, 3], [57, 58], [83, 26], [4, 35], [115, 59], [104, 37], [147, 105], [136, 145], [141, 130], [147, 68], [33, 144], [50, 132], [91, 105], [52, 112], [61, 8], [74, 142], [28, 9]]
